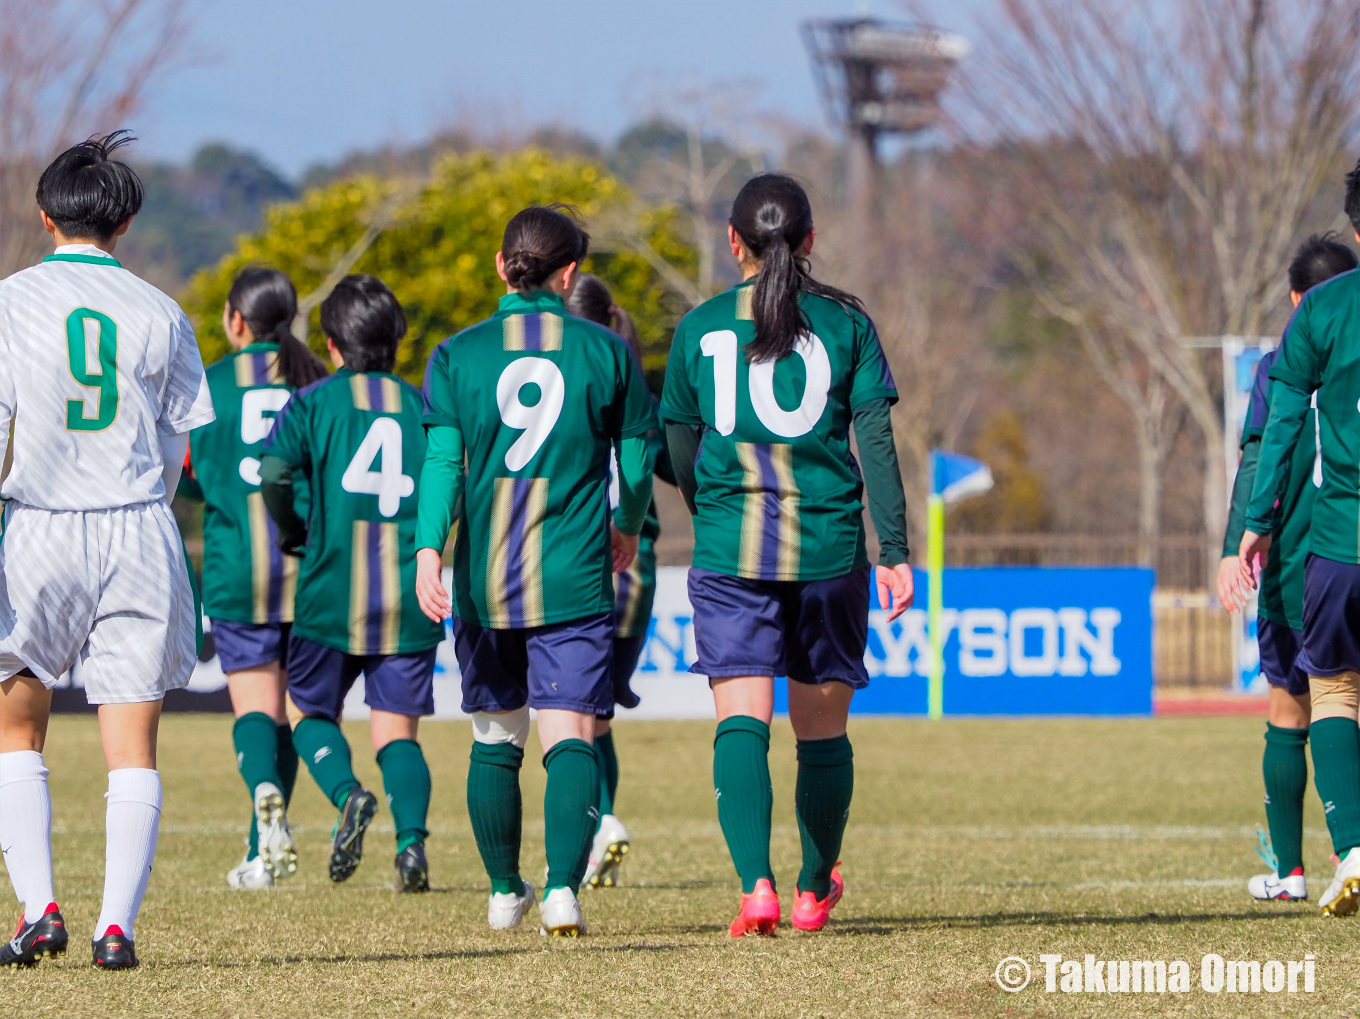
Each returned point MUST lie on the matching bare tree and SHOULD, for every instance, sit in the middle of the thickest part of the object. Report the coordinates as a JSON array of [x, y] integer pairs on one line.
[[67, 70], [1208, 131]]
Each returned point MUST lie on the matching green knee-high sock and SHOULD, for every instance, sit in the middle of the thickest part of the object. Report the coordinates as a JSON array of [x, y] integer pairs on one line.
[[741, 782], [496, 811], [322, 745], [287, 758], [1285, 766], [608, 763], [826, 781], [570, 811], [1336, 772], [256, 758], [406, 777]]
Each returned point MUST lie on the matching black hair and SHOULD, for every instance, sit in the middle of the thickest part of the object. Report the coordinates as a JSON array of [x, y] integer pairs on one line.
[[365, 321], [591, 299], [1352, 205], [267, 301], [87, 194], [772, 216], [1318, 259], [540, 240]]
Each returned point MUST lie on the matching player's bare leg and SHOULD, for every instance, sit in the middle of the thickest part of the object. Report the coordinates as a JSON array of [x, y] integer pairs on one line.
[[265, 756], [406, 777], [822, 799], [26, 821], [741, 779], [132, 818]]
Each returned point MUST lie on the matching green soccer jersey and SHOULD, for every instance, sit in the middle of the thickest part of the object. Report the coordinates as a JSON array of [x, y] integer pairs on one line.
[[1321, 353], [358, 440], [1281, 597], [635, 587], [246, 579], [540, 397], [778, 489]]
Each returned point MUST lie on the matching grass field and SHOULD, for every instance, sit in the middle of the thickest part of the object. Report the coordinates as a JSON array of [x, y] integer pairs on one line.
[[969, 841]]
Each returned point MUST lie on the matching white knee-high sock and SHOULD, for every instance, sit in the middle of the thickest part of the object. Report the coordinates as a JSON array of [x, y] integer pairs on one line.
[[26, 829], [133, 821]]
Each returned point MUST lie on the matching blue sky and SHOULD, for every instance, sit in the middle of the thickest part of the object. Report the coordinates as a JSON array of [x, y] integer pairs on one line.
[[301, 81]]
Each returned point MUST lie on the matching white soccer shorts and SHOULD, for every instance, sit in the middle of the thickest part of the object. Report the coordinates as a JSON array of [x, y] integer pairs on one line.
[[104, 591]]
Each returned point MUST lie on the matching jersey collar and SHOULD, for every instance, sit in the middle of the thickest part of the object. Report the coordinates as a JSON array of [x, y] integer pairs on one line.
[[87, 253], [536, 301]]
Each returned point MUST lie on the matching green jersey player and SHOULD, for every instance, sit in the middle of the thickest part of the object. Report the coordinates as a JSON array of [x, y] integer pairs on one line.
[[357, 438], [535, 400], [634, 592], [761, 388], [248, 584], [1280, 608], [1321, 354]]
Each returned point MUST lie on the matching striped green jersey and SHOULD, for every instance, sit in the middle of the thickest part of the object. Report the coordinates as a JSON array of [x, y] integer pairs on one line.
[[246, 579], [635, 587], [778, 489], [540, 398], [358, 440]]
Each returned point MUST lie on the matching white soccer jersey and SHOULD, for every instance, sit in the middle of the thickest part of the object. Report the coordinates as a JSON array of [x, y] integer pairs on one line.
[[95, 366]]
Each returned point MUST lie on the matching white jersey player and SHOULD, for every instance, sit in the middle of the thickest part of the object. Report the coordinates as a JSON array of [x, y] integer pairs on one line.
[[101, 378]]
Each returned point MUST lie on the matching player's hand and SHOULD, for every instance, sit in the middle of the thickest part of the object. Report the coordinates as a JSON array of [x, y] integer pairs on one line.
[[1254, 547], [1230, 593], [896, 588], [623, 548], [434, 600]]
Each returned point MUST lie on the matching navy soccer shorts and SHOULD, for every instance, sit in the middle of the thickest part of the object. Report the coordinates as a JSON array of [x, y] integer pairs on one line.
[[812, 631], [1279, 656], [1331, 617], [250, 645], [319, 677], [568, 666]]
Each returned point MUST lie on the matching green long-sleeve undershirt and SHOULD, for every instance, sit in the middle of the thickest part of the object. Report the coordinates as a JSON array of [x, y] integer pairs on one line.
[[878, 459], [441, 485], [276, 489], [1288, 410], [1241, 495]]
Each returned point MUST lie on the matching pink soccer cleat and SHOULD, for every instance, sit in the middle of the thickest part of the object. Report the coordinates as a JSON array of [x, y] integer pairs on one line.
[[759, 912], [811, 913]]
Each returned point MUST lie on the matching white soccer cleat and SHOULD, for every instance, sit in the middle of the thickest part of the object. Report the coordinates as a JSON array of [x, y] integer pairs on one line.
[[560, 915], [1343, 894], [276, 841], [607, 851], [250, 876], [505, 910], [1284, 889]]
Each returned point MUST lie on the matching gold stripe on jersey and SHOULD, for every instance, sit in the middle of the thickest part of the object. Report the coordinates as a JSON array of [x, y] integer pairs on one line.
[[550, 332], [790, 537], [245, 370], [258, 523], [498, 554], [286, 598], [272, 372], [627, 612], [391, 396], [358, 390], [745, 313], [532, 332], [753, 511], [389, 542], [358, 588]]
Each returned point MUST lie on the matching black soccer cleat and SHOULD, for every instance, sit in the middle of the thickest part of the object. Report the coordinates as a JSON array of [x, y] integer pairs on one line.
[[45, 938], [347, 848], [413, 872], [114, 951]]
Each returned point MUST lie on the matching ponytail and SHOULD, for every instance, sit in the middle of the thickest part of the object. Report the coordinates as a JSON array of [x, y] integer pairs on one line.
[[590, 299], [267, 301], [773, 217]]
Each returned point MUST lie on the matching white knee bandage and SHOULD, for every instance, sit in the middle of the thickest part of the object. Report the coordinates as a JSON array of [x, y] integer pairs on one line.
[[501, 726]]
